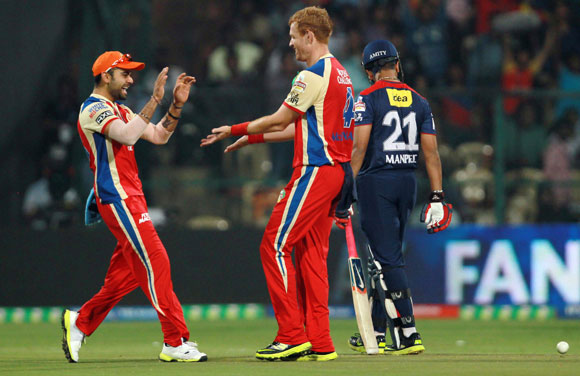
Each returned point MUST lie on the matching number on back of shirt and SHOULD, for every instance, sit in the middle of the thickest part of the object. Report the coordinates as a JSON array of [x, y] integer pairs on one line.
[[402, 138]]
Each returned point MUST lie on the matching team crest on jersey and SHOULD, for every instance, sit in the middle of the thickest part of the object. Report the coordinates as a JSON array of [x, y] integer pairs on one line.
[[400, 98], [360, 105], [299, 86], [343, 77], [281, 195]]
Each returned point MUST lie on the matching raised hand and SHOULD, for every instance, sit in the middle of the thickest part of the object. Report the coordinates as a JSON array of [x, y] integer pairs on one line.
[[182, 88], [159, 86]]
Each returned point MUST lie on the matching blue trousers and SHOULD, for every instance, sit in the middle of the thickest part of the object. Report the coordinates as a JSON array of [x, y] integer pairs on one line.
[[385, 201]]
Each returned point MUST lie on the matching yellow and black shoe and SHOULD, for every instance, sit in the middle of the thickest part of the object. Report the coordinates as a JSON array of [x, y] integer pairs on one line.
[[356, 343], [282, 351], [411, 345], [316, 356]]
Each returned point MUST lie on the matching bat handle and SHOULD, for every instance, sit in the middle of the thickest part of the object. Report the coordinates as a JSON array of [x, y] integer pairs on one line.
[[350, 242]]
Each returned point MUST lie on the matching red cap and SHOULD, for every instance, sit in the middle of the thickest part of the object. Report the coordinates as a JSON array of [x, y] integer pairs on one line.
[[115, 59]]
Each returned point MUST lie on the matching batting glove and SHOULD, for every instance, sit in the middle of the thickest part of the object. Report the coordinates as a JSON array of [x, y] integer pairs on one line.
[[341, 217], [437, 213]]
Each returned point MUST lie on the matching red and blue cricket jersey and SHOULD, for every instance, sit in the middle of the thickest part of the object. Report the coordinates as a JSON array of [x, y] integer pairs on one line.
[[139, 259], [113, 164], [398, 114], [301, 220], [323, 95]]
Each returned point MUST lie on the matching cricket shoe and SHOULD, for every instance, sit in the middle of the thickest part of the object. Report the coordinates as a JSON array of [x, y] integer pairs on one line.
[[316, 356], [411, 345], [356, 343], [72, 337], [186, 352], [281, 351]]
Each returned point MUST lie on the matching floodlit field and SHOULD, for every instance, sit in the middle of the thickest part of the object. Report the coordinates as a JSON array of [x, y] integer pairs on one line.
[[453, 348]]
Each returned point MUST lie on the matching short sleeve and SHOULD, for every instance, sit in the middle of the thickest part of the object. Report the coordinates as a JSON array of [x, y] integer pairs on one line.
[[428, 124], [305, 91], [363, 111], [96, 116]]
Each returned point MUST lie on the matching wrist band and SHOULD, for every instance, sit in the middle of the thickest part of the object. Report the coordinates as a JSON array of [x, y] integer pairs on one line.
[[145, 116], [177, 107], [155, 99], [240, 129], [256, 139], [175, 117], [437, 196]]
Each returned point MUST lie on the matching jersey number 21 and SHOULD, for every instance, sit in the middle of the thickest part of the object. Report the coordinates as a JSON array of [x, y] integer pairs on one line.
[[396, 141]]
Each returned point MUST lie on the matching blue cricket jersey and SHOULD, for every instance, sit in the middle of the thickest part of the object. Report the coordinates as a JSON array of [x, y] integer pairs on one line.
[[398, 115]]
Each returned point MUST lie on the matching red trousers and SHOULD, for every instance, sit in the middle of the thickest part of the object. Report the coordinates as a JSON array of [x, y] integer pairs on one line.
[[302, 220], [139, 260]]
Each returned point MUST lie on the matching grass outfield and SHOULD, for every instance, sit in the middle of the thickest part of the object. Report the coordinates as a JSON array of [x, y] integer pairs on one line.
[[490, 348]]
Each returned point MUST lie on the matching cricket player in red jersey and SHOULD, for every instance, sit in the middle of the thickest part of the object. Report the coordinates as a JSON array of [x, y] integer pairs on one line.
[[108, 131], [318, 115]]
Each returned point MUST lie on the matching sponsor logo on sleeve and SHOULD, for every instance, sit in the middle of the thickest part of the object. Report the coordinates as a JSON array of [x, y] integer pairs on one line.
[[343, 78], [103, 116], [293, 98], [400, 98]]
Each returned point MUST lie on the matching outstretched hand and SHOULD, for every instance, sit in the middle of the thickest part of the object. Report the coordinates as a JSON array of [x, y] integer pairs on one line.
[[182, 88], [217, 134], [240, 143]]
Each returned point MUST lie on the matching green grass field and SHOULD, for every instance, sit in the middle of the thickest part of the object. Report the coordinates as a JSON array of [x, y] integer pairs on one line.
[[490, 348]]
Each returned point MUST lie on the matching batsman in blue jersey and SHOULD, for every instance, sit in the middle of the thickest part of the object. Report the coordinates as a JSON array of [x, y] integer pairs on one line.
[[392, 123]]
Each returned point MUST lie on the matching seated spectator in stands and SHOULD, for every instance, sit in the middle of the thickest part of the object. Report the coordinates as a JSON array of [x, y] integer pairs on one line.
[[525, 137]]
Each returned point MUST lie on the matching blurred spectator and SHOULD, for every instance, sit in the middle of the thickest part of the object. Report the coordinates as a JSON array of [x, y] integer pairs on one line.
[[569, 83], [519, 69], [524, 137], [558, 169], [352, 59], [457, 108], [426, 29], [52, 201], [484, 61], [235, 61]]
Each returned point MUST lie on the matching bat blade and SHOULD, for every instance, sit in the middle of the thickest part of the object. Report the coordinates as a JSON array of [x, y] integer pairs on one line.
[[359, 295]]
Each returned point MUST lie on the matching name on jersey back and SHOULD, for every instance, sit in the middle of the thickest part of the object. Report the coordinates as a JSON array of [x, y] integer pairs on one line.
[[401, 158]]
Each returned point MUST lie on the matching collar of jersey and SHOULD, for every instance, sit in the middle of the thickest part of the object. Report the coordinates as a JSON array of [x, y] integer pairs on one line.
[[103, 98]]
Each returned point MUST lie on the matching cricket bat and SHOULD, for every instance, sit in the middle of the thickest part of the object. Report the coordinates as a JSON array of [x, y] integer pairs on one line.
[[359, 294]]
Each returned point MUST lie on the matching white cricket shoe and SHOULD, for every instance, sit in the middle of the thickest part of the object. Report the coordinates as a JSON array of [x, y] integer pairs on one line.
[[72, 337], [186, 352]]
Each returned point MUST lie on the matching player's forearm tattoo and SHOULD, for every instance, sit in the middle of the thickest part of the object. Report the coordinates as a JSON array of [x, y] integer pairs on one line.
[[167, 123]]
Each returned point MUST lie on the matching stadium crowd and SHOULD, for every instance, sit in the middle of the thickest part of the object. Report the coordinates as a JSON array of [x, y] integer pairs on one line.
[[460, 54]]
